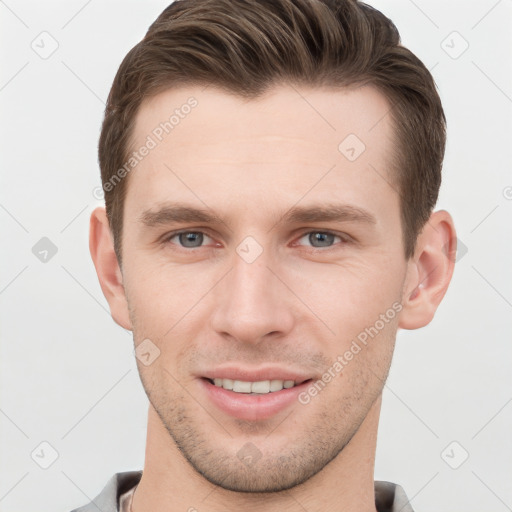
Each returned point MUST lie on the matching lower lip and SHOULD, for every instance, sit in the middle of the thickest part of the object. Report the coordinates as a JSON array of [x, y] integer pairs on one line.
[[246, 406]]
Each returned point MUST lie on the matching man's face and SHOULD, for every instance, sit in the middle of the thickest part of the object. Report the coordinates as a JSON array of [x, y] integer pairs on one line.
[[257, 294]]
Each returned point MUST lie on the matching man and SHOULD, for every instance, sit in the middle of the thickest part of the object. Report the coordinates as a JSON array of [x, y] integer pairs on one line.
[[270, 171]]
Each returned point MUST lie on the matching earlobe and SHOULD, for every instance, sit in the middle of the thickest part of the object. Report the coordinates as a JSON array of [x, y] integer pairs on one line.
[[430, 271], [107, 267]]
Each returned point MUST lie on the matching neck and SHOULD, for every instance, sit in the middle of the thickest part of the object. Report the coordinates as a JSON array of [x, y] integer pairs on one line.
[[346, 484]]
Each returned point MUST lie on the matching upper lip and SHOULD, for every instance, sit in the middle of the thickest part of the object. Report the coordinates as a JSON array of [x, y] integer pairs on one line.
[[255, 374]]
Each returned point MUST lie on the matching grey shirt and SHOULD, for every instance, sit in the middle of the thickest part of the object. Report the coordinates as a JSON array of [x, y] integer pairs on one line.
[[389, 497]]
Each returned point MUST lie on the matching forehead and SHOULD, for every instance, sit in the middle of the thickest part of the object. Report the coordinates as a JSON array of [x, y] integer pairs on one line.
[[284, 110], [208, 143]]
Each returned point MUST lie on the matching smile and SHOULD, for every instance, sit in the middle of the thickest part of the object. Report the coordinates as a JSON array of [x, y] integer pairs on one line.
[[252, 400], [260, 387]]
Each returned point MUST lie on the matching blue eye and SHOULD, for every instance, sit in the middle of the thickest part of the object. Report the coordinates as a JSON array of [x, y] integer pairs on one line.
[[196, 239], [323, 238], [189, 239]]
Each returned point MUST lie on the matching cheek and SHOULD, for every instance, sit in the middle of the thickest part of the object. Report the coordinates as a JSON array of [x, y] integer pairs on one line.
[[167, 306], [346, 296], [349, 297], [162, 293]]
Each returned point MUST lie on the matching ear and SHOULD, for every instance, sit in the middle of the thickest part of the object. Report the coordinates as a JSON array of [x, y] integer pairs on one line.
[[109, 273], [429, 271]]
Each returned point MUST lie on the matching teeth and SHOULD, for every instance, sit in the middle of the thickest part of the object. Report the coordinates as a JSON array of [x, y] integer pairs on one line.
[[276, 385], [260, 387], [241, 387], [226, 383]]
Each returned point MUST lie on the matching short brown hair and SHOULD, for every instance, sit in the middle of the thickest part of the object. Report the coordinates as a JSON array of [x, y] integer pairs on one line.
[[246, 46]]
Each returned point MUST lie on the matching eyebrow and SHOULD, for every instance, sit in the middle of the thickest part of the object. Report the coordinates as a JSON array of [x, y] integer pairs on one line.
[[180, 213], [328, 212], [177, 212]]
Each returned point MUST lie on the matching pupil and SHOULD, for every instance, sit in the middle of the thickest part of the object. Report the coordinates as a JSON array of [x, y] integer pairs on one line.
[[325, 239], [191, 239]]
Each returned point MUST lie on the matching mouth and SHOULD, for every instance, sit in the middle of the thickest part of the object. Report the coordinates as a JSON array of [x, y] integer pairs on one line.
[[253, 400], [261, 387]]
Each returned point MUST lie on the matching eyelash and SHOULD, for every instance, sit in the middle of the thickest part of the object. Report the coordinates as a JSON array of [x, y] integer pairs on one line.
[[344, 239]]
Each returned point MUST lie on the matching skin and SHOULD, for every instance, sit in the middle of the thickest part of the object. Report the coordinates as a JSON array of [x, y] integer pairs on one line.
[[299, 305]]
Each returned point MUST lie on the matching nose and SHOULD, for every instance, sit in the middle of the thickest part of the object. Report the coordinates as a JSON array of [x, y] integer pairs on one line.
[[252, 303]]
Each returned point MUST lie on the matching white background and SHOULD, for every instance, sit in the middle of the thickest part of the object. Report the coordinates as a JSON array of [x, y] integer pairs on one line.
[[68, 375]]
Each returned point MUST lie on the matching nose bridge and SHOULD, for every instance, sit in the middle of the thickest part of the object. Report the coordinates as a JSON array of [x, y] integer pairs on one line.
[[250, 279], [252, 302]]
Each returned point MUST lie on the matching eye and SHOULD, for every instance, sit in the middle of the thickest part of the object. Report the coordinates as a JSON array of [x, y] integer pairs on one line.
[[319, 239], [188, 239]]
